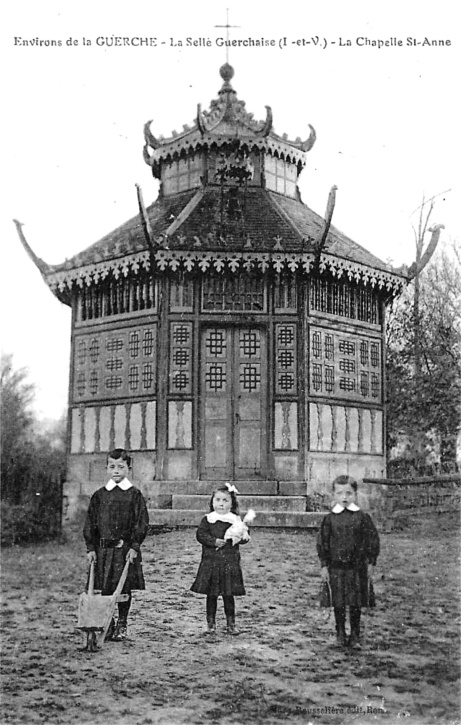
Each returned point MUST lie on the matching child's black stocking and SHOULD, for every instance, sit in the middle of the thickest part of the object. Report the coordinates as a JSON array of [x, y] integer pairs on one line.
[[354, 616], [123, 609], [229, 609], [229, 606], [120, 630], [211, 607], [340, 619]]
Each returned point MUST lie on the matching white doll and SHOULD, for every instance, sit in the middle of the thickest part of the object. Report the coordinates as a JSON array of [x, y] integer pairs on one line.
[[239, 530]]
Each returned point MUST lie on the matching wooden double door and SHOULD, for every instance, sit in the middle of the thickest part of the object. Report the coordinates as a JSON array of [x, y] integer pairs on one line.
[[233, 399]]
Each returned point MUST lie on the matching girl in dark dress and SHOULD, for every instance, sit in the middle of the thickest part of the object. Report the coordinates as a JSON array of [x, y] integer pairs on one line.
[[219, 573], [348, 546], [115, 527]]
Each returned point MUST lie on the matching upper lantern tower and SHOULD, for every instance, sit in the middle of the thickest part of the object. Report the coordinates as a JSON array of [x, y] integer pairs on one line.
[[226, 145]]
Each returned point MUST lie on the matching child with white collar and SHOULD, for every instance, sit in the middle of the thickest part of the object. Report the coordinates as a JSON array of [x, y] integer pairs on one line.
[[348, 546], [115, 527], [219, 573]]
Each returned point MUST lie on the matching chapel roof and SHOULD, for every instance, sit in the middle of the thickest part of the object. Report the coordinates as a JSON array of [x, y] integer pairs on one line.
[[189, 231], [226, 119], [233, 226]]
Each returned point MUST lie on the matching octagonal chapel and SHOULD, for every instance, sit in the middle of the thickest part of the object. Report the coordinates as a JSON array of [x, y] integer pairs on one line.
[[227, 332]]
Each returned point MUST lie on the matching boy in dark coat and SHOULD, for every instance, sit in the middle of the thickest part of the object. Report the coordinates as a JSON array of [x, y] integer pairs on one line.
[[115, 527], [348, 547]]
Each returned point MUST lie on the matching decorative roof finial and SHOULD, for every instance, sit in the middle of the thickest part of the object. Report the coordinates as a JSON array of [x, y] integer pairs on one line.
[[226, 72]]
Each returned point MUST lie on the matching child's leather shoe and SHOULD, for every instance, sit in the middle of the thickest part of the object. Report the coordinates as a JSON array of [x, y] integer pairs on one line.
[[354, 641], [120, 632], [211, 626], [231, 627]]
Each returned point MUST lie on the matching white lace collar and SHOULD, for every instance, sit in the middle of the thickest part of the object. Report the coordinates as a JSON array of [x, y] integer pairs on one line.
[[338, 509], [229, 518], [124, 484]]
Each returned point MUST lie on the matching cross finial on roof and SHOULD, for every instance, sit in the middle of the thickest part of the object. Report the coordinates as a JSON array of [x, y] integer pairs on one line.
[[227, 26]]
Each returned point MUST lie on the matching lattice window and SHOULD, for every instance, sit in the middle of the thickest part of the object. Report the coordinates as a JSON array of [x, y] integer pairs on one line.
[[280, 175], [317, 344], [142, 294], [181, 174], [182, 295], [332, 299], [148, 343], [116, 297], [180, 381], [285, 293], [107, 371], [250, 377], [113, 382], [374, 354], [94, 351], [81, 383], [344, 299], [94, 382], [181, 357], [346, 347], [285, 382], [347, 384], [114, 344], [329, 347], [216, 342], [317, 377], [364, 384], [374, 385], [347, 363], [133, 377], [133, 344], [329, 378], [285, 359], [147, 376], [347, 366], [181, 334], [216, 377], [81, 352], [87, 303], [286, 334], [250, 345], [114, 363], [242, 293]]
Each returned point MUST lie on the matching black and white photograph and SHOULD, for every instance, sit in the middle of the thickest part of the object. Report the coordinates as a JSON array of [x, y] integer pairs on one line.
[[230, 363]]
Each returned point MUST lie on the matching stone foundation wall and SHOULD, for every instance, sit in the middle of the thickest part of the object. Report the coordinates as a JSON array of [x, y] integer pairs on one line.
[[401, 499], [323, 468]]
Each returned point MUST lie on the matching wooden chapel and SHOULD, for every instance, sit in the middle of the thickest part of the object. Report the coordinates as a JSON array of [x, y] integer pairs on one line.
[[227, 332]]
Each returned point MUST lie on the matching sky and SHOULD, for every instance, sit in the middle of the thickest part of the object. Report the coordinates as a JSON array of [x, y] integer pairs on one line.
[[387, 121]]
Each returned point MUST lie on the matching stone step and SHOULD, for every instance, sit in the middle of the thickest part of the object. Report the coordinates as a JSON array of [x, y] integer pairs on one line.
[[172, 518], [249, 488], [259, 503]]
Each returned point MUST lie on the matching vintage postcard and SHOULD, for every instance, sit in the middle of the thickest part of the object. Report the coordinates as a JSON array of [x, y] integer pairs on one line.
[[209, 210]]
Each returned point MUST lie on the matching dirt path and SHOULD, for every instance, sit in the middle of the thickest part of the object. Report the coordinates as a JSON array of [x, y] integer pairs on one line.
[[283, 668]]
